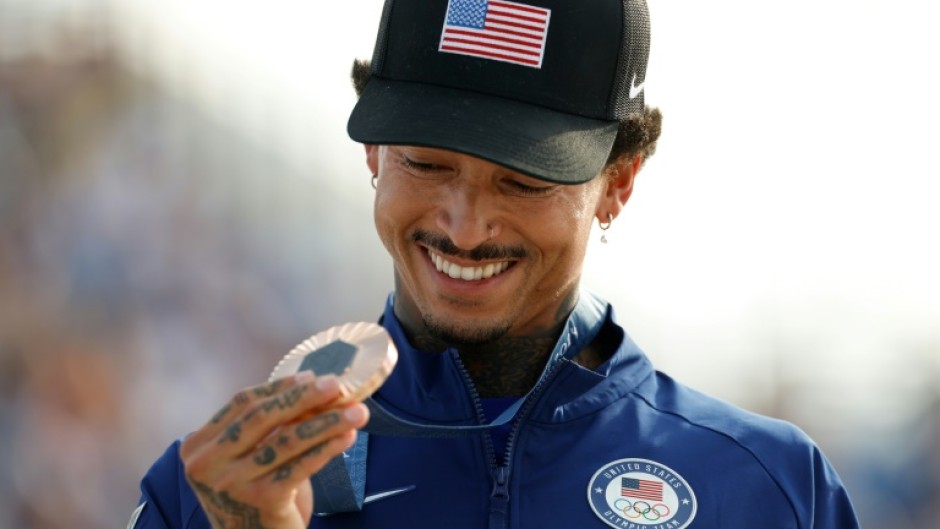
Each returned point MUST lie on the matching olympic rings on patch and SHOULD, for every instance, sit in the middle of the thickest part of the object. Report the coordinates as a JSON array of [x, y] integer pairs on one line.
[[642, 508]]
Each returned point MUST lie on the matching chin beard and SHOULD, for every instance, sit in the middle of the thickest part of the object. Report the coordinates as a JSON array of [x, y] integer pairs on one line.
[[455, 334]]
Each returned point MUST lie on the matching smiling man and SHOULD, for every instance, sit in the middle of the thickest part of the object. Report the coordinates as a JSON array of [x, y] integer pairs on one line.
[[497, 133]]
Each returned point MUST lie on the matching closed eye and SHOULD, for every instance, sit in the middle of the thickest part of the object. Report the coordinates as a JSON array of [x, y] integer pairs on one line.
[[421, 167], [521, 189]]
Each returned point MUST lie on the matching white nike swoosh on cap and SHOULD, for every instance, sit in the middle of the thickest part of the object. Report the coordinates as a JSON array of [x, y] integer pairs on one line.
[[634, 89]]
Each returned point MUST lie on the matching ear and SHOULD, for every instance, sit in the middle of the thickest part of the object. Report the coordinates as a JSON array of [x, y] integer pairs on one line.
[[372, 157], [619, 178]]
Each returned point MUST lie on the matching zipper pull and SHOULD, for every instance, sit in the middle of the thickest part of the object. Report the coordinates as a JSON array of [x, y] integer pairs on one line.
[[499, 500]]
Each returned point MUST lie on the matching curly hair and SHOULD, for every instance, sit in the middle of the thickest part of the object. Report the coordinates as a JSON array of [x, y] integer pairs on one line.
[[636, 135]]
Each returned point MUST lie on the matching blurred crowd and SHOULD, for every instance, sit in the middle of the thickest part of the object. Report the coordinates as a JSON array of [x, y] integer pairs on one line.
[[153, 260], [150, 266]]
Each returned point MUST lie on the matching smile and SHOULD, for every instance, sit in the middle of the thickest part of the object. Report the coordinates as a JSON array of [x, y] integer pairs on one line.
[[467, 273]]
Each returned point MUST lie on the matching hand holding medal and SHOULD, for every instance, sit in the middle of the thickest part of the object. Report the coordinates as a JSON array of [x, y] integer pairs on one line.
[[252, 462]]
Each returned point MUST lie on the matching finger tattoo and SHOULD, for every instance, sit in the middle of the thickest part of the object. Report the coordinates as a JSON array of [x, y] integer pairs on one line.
[[269, 389], [285, 471], [285, 401], [265, 456], [313, 450], [221, 413], [314, 427], [232, 433], [241, 398]]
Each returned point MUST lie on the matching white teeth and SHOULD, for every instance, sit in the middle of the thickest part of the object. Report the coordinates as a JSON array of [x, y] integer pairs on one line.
[[488, 270], [467, 273]]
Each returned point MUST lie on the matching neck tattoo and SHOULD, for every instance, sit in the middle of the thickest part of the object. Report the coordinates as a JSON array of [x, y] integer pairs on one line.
[[508, 366]]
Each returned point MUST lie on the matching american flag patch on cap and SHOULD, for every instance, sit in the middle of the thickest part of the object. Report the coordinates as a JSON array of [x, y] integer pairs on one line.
[[497, 30]]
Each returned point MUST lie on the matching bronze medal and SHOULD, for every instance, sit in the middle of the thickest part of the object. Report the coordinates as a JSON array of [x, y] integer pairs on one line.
[[361, 356]]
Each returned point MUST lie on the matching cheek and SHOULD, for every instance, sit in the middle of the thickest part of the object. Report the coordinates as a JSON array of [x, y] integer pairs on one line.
[[574, 215], [567, 236], [396, 210], [384, 215]]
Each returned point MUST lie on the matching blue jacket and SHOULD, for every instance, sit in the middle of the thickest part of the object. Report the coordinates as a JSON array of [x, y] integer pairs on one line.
[[620, 446]]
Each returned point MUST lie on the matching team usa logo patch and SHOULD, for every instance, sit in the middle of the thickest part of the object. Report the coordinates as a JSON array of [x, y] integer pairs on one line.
[[641, 494], [496, 29]]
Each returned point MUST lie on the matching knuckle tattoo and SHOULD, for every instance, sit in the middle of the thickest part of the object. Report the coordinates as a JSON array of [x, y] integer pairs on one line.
[[268, 389], [284, 402], [314, 450], [317, 425], [241, 398], [265, 456], [232, 433], [252, 413], [221, 413], [283, 472]]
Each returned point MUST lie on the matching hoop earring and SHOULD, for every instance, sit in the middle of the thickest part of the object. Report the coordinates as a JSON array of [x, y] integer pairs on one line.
[[375, 179], [604, 226]]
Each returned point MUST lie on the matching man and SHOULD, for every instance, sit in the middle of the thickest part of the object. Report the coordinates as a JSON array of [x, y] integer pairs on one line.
[[496, 133]]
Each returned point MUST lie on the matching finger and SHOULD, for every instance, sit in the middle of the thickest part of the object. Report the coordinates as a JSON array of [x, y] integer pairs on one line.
[[261, 418], [300, 440], [299, 469], [273, 488], [237, 405]]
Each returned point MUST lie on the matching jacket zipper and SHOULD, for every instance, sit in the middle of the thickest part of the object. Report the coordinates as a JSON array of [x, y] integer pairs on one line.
[[499, 497]]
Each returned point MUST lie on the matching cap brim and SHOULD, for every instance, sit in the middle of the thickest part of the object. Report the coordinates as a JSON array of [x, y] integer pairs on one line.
[[533, 140]]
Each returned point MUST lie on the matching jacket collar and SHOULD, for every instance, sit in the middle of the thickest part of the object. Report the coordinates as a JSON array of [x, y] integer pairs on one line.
[[430, 386]]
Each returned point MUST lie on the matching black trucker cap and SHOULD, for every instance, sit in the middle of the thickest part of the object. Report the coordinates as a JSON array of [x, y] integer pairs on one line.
[[537, 86]]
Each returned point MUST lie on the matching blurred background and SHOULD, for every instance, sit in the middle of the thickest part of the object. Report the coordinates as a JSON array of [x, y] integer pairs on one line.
[[180, 205]]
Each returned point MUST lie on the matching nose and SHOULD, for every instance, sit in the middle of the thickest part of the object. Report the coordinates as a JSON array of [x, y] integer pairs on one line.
[[467, 216]]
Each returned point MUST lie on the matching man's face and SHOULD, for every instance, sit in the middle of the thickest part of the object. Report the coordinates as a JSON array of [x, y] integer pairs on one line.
[[480, 251]]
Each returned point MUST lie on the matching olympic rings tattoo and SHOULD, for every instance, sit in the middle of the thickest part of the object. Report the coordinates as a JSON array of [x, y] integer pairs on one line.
[[642, 508]]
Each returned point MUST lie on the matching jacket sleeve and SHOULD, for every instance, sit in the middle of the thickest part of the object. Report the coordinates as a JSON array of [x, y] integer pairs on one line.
[[811, 484], [831, 506], [164, 495]]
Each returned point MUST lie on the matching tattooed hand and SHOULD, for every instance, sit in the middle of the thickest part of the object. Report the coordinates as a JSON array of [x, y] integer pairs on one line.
[[250, 465]]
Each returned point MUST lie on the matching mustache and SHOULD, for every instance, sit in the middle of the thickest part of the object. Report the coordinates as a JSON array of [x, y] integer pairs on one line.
[[443, 245]]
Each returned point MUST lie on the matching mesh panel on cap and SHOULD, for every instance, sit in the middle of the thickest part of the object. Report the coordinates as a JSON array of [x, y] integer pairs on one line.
[[635, 48], [381, 41]]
